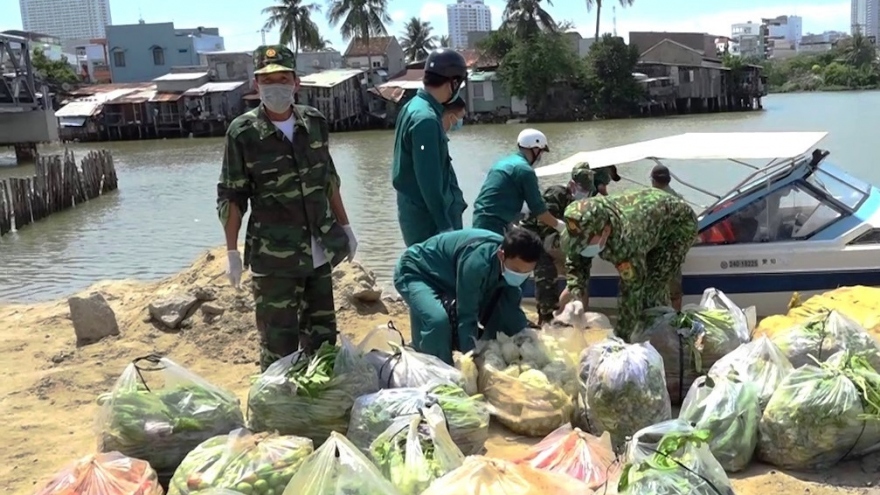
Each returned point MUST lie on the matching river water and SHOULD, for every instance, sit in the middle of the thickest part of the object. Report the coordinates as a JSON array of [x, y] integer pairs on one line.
[[164, 215]]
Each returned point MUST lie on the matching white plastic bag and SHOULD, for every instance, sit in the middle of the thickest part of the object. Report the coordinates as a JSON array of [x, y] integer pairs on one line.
[[759, 362], [575, 453], [823, 335], [485, 476]]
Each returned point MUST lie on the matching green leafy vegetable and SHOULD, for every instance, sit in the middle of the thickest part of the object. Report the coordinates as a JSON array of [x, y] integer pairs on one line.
[[824, 334], [759, 362]]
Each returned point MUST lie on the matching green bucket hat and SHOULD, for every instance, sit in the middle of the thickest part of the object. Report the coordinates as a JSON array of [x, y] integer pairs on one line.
[[269, 59], [583, 177]]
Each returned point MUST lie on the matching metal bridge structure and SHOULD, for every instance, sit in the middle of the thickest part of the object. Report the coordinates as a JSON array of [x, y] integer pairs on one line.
[[26, 114]]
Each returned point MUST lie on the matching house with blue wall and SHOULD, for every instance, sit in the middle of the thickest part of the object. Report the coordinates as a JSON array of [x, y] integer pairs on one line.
[[144, 51]]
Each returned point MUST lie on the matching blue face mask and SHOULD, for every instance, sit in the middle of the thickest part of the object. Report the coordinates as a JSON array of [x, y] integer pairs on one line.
[[515, 279], [457, 125], [592, 250]]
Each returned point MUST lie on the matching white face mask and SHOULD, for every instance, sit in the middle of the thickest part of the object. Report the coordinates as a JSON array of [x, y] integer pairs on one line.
[[276, 97]]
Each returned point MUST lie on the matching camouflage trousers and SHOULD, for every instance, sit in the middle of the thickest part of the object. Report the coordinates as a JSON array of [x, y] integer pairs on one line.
[[546, 287], [645, 281], [293, 312]]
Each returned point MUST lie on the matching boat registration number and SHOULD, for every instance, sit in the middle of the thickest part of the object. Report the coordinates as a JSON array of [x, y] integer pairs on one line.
[[743, 264]]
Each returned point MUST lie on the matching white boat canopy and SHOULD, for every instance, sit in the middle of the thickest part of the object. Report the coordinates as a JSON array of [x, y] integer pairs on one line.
[[696, 146]]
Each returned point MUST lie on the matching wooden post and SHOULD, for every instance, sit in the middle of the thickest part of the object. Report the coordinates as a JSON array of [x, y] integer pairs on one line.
[[5, 210]]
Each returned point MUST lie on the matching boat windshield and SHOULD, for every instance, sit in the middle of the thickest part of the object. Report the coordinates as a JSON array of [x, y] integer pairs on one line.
[[762, 178], [847, 190]]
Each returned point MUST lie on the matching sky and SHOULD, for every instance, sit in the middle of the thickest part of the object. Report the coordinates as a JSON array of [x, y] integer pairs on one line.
[[240, 22]]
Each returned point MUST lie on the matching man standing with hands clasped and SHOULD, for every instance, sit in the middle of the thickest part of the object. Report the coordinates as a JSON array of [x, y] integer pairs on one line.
[[277, 159]]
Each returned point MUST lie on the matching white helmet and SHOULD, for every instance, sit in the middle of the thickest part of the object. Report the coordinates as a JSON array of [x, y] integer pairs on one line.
[[532, 138]]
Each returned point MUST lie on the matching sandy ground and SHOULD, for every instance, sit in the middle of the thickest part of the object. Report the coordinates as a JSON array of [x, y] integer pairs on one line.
[[48, 386]]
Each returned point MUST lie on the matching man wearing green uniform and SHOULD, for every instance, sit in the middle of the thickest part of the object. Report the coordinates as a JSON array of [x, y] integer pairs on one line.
[[660, 179], [602, 177], [557, 198], [644, 233], [512, 181], [429, 200], [277, 160], [457, 281]]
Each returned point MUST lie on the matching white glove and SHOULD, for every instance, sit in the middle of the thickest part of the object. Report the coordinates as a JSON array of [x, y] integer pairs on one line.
[[560, 226], [233, 268], [525, 209], [352, 242], [550, 242]]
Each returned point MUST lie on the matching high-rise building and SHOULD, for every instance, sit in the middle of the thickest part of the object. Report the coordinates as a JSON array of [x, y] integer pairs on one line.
[[66, 19], [865, 17], [465, 17]]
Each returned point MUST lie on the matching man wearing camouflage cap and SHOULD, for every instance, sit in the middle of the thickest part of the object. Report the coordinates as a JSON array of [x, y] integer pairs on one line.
[[645, 233], [557, 198], [277, 160]]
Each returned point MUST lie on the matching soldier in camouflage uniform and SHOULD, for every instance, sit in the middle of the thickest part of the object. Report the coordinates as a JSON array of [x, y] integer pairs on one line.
[[644, 233], [277, 159], [602, 177], [557, 199]]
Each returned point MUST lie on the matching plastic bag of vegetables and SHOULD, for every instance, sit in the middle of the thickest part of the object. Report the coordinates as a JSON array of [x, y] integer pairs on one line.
[[104, 474], [758, 362], [575, 453], [310, 396], [692, 340], [467, 417], [822, 414], [623, 389], [144, 418], [728, 409], [824, 334], [529, 379], [339, 468], [243, 461], [487, 476], [672, 458], [415, 450], [465, 364], [399, 366]]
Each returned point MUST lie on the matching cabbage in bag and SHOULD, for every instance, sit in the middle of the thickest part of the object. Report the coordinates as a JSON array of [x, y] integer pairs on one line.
[[728, 409], [577, 454], [623, 389], [692, 340], [339, 468], [485, 476], [161, 425], [822, 414], [758, 362], [672, 458], [823, 335], [415, 450], [104, 474], [467, 417], [245, 462], [311, 396], [399, 366]]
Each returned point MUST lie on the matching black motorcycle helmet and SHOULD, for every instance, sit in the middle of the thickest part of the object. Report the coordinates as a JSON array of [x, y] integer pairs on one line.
[[447, 63]]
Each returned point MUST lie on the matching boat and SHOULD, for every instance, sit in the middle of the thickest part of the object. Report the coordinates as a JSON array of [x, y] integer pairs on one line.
[[795, 224]]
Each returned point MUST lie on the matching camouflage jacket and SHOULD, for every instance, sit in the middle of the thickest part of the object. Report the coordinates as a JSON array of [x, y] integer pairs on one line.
[[639, 220], [557, 199], [289, 187]]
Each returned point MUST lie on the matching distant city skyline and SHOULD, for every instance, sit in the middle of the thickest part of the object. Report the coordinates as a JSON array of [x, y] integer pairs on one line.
[[240, 22], [66, 19], [865, 17], [467, 16]]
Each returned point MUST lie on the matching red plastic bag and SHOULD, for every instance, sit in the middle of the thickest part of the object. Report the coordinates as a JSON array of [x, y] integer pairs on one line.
[[570, 451], [105, 474]]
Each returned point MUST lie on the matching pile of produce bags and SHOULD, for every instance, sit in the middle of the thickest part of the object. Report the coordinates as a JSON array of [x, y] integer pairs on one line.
[[672, 458], [104, 474], [693, 339], [162, 424], [311, 396], [572, 452], [530, 379], [467, 417], [758, 362], [728, 409], [245, 462], [485, 476], [415, 450], [338, 468], [822, 414], [623, 389], [824, 334]]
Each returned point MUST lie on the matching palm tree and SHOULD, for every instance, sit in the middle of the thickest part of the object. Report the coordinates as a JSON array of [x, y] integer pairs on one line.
[[598, 5], [858, 51], [444, 41], [527, 16], [360, 19], [294, 19], [417, 39], [318, 45]]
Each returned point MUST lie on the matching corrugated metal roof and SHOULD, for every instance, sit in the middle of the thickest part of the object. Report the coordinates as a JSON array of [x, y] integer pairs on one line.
[[329, 78], [104, 88], [134, 97], [79, 109], [184, 76], [482, 76], [391, 93], [214, 87], [170, 97]]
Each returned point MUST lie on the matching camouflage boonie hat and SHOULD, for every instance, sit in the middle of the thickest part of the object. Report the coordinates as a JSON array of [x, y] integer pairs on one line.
[[583, 220], [269, 59], [583, 177]]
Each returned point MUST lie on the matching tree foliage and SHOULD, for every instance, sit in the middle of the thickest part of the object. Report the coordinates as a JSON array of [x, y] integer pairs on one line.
[[610, 66], [533, 66], [293, 18], [53, 72], [417, 39]]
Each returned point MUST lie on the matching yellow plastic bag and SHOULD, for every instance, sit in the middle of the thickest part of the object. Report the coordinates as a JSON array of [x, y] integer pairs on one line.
[[487, 476], [860, 303]]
